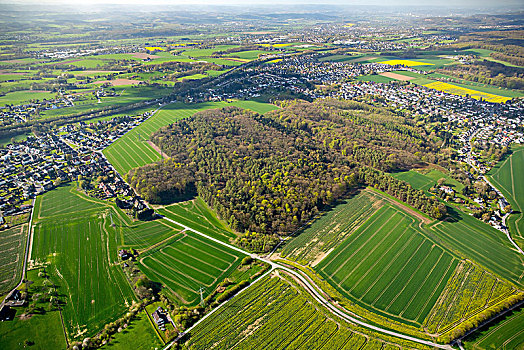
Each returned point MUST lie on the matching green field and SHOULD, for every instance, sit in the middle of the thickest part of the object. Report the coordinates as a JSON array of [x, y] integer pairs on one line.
[[139, 335], [130, 151], [142, 234], [468, 292], [279, 315], [187, 263], [505, 334], [390, 267], [12, 248], [197, 215], [415, 179], [45, 331], [505, 176], [376, 78], [473, 239], [314, 241], [80, 247], [19, 97]]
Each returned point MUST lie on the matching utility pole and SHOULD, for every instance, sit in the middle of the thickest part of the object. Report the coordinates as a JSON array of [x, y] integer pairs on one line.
[[201, 291]]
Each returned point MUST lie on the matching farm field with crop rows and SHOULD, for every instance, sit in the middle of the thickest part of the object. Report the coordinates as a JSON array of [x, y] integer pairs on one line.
[[507, 177], [326, 232], [467, 293], [278, 315], [197, 215], [388, 266], [503, 335], [12, 248], [187, 263], [80, 248], [132, 150], [462, 91], [475, 240]]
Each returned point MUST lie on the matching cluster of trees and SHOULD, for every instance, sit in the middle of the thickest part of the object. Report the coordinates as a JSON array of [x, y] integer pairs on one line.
[[270, 174], [488, 72], [403, 191]]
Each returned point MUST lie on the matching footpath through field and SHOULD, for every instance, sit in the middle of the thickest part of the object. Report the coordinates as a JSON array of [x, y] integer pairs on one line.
[[309, 286]]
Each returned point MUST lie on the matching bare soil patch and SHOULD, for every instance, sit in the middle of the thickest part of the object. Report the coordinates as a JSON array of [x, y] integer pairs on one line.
[[118, 82], [144, 56], [156, 148], [396, 76]]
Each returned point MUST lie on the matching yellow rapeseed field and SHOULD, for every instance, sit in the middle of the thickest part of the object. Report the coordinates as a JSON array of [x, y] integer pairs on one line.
[[154, 48], [458, 90], [406, 63]]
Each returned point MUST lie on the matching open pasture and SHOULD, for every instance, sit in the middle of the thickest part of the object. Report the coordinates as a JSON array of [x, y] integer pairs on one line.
[[197, 215], [507, 176], [187, 263], [387, 265], [132, 150], [80, 248], [415, 179], [462, 91], [321, 236], [12, 248], [278, 315]]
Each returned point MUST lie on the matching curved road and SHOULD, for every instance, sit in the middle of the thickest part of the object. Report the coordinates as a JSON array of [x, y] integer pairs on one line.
[[309, 286]]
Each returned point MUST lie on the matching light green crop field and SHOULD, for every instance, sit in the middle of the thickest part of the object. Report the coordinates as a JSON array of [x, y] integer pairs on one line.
[[80, 247], [142, 234], [475, 240], [390, 267], [139, 335], [19, 97], [415, 179], [314, 241], [12, 248], [376, 78], [187, 263], [507, 333], [507, 177], [132, 150], [197, 215], [277, 314]]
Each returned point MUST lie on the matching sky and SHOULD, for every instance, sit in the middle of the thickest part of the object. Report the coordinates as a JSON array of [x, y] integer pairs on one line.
[[444, 3]]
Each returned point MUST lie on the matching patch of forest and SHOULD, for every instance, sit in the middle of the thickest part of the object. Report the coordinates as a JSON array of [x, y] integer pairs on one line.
[[269, 174]]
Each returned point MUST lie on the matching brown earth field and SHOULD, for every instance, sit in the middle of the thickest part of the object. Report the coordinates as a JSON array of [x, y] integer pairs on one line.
[[144, 56], [396, 76]]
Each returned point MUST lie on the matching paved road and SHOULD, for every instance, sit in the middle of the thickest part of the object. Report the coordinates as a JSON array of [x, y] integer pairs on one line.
[[310, 287]]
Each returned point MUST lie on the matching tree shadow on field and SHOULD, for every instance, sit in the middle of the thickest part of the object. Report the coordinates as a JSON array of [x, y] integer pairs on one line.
[[479, 332], [453, 215]]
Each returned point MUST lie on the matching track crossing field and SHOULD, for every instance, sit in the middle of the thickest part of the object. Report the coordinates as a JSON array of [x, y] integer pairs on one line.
[[197, 215], [12, 247], [317, 239], [388, 266], [189, 262], [507, 177], [505, 335], [73, 235], [278, 315], [132, 150]]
